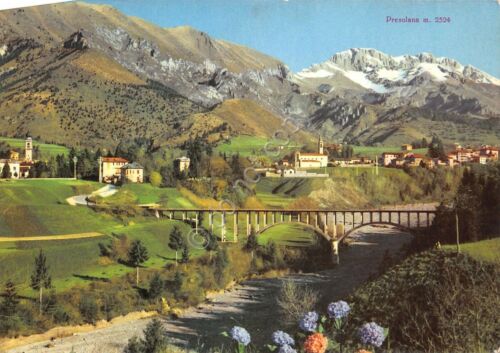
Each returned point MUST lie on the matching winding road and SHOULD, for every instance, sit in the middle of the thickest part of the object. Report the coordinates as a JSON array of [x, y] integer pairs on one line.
[[251, 304]]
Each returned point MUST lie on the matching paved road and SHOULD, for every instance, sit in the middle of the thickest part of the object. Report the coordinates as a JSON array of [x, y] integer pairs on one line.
[[252, 304], [105, 191]]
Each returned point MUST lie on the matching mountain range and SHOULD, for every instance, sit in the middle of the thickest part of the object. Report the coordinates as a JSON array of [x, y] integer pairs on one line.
[[83, 74]]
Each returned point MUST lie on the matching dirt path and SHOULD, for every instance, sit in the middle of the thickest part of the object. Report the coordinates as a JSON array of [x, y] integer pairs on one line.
[[53, 237], [252, 304]]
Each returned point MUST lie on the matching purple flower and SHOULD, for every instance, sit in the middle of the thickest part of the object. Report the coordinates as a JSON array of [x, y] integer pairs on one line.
[[338, 310], [309, 322], [372, 334], [283, 339], [240, 335], [286, 349]]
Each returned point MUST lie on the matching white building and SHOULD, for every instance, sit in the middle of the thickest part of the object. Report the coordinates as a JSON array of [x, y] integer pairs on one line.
[[312, 160]]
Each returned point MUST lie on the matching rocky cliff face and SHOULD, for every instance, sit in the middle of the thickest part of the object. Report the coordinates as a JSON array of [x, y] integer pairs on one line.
[[352, 96]]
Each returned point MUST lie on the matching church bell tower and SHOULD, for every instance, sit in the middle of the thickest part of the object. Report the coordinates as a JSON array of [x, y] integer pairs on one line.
[[320, 145], [28, 150]]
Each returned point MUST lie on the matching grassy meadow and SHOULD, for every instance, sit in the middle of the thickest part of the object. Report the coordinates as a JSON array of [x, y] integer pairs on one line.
[[484, 250], [373, 151], [47, 150], [255, 146], [291, 234]]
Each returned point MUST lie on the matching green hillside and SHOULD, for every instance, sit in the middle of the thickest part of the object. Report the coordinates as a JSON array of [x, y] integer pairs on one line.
[[46, 150]]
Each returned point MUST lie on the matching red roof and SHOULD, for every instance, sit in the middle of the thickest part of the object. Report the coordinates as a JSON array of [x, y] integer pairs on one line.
[[114, 160]]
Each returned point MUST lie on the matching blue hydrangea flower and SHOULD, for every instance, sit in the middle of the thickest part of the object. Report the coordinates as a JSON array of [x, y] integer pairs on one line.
[[240, 335], [286, 349], [281, 338], [371, 334], [338, 310], [309, 322]]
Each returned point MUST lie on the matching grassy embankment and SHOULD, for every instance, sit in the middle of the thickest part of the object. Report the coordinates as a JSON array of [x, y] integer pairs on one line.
[[354, 187]]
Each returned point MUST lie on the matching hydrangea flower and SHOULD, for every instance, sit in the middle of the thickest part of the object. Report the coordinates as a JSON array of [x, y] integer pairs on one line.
[[240, 335], [282, 338], [316, 343], [309, 322], [338, 310], [372, 334], [286, 349]]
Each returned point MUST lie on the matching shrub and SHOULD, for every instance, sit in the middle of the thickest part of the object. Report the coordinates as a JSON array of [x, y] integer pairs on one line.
[[88, 309], [435, 302]]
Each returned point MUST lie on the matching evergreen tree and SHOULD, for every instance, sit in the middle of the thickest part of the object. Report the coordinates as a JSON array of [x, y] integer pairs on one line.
[[41, 278], [436, 148], [155, 337], [252, 243], [10, 300], [6, 171], [211, 243], [176, 242], [155, 286], [185, 254], [177, 284], [220, 266], [137, 255]]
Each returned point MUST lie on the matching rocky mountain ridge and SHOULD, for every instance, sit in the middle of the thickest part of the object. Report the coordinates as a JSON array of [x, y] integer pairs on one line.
[[350, 97]]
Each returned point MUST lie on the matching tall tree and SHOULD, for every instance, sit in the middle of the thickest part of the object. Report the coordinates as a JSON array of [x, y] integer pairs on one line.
[[137, 255], [41, 278], [252, 243], [185, 254], [8, 306], [6, 171], [175, 241]]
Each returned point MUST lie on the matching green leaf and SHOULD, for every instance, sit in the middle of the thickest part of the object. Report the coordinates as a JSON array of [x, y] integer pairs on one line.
[[321, 328], [271, 347], [386, 332], [225, 334]]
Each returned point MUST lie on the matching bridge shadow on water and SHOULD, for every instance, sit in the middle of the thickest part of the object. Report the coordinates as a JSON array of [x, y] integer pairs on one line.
[[253, 304]]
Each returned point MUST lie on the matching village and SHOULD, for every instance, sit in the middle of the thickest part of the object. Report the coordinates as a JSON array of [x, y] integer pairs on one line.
[[298, 164]]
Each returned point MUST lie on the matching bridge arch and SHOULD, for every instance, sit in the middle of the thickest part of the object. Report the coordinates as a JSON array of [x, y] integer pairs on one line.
[[359, 226], [317, 230]]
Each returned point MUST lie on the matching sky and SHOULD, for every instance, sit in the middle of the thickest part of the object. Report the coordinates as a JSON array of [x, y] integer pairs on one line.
[[305, 32]]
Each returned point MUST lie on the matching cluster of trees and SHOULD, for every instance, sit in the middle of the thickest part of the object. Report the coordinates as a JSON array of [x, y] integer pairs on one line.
[[475, 207], [347, 151]]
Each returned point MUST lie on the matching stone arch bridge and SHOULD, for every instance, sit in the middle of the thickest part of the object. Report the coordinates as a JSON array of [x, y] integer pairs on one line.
[[334, 225]]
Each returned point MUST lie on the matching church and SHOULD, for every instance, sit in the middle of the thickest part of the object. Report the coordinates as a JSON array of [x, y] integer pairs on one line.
[[17, 167], [312, 160]]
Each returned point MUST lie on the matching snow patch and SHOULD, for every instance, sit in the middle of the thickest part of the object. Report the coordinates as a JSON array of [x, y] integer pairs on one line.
[[433, 70], [391, 75], [361, 79], [321, 73]]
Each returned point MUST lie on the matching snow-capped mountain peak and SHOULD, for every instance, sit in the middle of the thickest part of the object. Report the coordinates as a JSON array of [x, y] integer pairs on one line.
[[380, 72]]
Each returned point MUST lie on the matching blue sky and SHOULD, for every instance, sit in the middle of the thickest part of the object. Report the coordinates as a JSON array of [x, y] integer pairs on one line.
[[304, 32]]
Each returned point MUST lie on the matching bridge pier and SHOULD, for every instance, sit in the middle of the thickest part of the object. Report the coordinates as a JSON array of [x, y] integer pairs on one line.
[[235, 225], [335, 250], [248, 223], [265, 218], [257, 221], [307, 217], [273, 217], [196, 220], [223, 227], [211, 221], [316, 216]]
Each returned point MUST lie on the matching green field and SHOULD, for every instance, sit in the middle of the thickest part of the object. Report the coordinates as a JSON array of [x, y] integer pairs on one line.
[[279, 192], [255, 146], [484, 250], [75, 262], [147, 194], [288, 234], [373, 151], [47, 150], [39, 207]]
